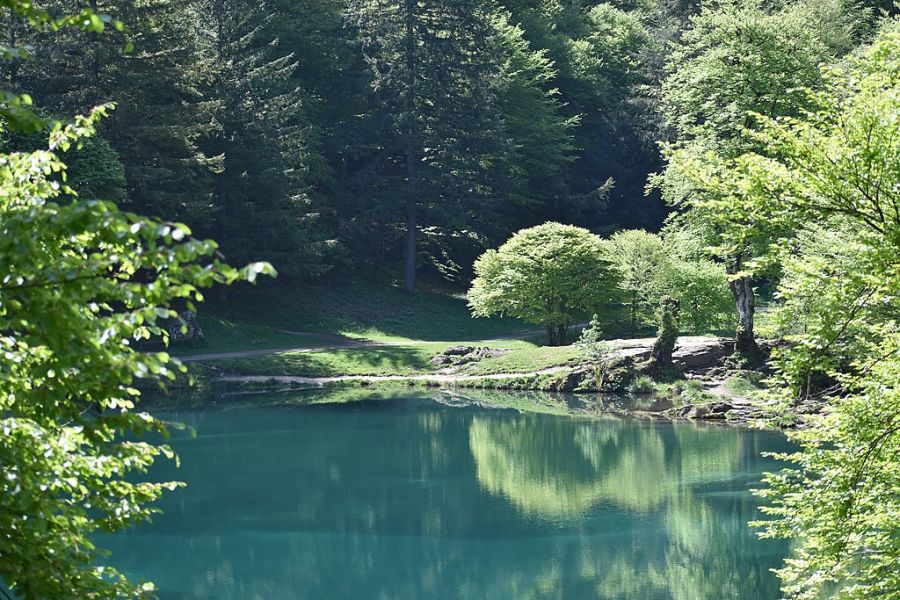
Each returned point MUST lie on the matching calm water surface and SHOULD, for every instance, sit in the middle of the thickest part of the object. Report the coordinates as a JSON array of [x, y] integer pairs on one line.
[[410, 498]]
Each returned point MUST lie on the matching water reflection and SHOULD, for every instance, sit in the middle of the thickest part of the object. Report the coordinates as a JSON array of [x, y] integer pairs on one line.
[[565, 470], [408, 498]]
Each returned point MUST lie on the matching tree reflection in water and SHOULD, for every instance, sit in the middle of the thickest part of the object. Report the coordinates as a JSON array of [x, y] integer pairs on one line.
[[565, 469]]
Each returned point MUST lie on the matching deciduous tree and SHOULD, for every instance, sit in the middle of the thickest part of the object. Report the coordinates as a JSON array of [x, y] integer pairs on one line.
[[551, 274]]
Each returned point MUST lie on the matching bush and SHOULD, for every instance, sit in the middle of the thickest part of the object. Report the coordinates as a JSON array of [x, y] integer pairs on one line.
[[653, 266], [642, 385], [597, 352]]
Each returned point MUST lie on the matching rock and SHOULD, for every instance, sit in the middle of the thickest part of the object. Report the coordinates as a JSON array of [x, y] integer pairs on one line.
[[693, 356], [439, 360], [460, 355], [711, 412], [458, 350], [185, 329], [571, 380], [716, 410], [491, 352]]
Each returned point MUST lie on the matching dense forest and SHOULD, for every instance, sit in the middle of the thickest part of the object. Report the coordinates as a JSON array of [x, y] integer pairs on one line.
[[344, 135], [317, 137], [681, 160]]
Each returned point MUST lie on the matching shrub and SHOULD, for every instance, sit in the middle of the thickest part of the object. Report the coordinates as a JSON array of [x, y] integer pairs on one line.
[[642, 385]]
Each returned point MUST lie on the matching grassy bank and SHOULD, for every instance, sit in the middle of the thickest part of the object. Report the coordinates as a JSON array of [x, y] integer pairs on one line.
[[318, 331], [413, 359], [265, 316]]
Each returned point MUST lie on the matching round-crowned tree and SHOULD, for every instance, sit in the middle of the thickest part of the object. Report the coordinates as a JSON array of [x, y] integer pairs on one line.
[[551, 275]]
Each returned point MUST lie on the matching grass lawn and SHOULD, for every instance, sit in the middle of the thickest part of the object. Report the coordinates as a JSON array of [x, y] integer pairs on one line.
[[373, 311], [523, 358], [408, 359], [224, 335], [413, 327], [376, 360]]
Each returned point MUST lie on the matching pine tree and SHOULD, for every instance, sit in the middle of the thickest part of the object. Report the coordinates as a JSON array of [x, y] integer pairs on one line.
[[267, 142], [541, 134], [431, 72], [154, 72], [596, 51]]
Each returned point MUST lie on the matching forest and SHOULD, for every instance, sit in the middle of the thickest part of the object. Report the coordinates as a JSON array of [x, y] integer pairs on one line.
[[604, 171]]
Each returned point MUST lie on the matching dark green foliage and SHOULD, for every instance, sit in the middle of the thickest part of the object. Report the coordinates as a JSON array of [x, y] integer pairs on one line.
[[541, 135], [162, 112], [95, 170], [332, 134], [598, 51], [267, 142], [439, 134]]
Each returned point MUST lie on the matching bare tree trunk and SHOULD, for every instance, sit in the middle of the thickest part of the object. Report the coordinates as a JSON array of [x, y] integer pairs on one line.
[[551, 334], [13, 41], [562, 334], [633, 312], [745, 301], [409, 267]]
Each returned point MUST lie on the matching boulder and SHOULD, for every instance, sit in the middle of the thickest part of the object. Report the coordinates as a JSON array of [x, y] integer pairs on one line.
[[460, 355], [440, 360], [458, 350], [185, 329], [573, 379], [693, 355], [714, 411]]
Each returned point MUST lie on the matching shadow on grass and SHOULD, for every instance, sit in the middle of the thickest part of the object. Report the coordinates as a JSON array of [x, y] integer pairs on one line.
[[361, 308], [378, 360]]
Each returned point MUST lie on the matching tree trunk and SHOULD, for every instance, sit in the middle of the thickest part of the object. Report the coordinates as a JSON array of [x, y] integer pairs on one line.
[[13, 64], [412, 168], [551, 334], [745, 301], [633, 312], [409, 266], [562, 333]]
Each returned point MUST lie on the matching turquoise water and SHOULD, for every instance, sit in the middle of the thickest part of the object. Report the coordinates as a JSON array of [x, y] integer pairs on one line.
[[410, 498]]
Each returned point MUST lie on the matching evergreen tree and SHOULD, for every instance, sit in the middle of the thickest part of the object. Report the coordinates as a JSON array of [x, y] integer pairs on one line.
[[596, 50], [267, 142], [541, 135], [431, 74], [154, 71]]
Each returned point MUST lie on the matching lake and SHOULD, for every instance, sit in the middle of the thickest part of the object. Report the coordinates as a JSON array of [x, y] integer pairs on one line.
[[407, 497]]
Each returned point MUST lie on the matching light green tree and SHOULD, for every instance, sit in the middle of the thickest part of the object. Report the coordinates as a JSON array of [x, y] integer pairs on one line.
[[838, 168], [81, 283], [737, 57], [551, 275], [654, 266], [640, 256], [840, 501], [702, 290]]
